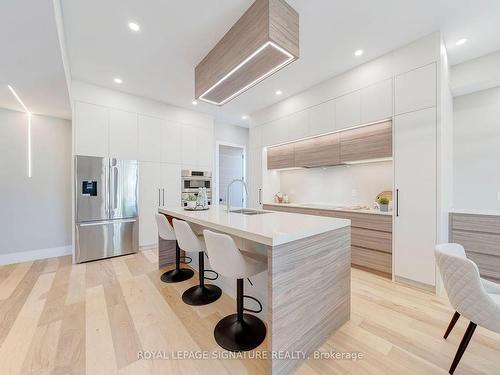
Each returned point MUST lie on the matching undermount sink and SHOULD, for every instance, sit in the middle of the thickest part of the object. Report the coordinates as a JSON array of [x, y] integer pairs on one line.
[[246, 211]]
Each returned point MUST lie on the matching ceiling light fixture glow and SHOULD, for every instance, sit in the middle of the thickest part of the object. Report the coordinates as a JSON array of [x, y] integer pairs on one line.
[[118, 80], [278, 92], [461, 42], [134, 26], [289, 59], [358, 52]]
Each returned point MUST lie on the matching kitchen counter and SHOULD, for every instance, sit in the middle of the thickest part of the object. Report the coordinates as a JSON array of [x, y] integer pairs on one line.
[[307, 289], [475, 211], [270, 228], [329, 207]]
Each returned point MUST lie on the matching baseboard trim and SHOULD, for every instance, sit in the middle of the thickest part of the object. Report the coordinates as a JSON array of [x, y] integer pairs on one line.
[[26, 256], [415, 284]]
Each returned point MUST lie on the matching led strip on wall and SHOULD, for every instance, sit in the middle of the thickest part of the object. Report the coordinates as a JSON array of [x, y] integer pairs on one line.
[[265, 75], [29, 126]]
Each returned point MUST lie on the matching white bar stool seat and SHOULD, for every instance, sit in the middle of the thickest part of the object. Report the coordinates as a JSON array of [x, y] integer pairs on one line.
[[166, 232], [240, 331], [201, 294]]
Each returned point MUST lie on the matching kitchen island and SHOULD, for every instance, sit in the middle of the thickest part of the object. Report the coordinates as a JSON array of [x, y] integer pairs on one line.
[[308, 274]]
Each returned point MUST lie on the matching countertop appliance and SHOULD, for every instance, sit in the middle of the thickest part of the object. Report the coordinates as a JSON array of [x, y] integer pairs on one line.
[[191, 181], [106, 194]]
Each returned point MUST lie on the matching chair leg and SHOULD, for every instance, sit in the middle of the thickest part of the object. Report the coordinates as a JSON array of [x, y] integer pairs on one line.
[[463, 346], [452, 324]]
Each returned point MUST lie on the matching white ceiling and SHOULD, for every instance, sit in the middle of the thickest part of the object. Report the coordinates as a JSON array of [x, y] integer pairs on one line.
[[158, 62], [31, 58]]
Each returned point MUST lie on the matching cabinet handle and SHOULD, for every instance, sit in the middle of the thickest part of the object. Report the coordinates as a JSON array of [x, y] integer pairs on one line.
[[159, 194], [260, 196], [397, 202], [163, 196]]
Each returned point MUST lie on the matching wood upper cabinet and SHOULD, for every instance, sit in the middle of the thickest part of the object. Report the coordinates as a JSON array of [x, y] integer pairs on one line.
[[318, 151], [367, 142], [281, 156]]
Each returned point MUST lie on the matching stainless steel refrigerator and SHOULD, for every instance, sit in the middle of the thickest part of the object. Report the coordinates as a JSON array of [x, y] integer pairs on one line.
[[106, 196]]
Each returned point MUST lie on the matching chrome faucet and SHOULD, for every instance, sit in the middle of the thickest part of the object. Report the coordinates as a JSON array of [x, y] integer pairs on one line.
[[228, 193]]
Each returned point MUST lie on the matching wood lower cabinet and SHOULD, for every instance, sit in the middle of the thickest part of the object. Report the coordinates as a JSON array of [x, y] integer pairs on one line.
[[281, 156], [318, 151], [367, 142], [371, 236], [364, 143], [480, 237]]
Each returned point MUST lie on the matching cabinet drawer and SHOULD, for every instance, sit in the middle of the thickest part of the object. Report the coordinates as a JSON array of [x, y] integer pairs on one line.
[[372, 259], [367, 142], [368, 221], [372, 239], [477, 223], [489, 265], [318, 151], [481, 243], [280, 156]]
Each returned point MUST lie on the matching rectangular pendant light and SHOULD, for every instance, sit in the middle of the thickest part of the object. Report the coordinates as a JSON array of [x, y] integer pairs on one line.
[[264, 40]]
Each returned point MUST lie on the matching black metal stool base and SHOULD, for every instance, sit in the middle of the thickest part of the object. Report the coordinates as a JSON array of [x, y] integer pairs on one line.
[[201, 295], [237, 336], [177, 275]]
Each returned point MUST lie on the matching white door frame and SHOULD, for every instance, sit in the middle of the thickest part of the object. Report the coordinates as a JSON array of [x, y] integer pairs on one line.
[[216, 184]]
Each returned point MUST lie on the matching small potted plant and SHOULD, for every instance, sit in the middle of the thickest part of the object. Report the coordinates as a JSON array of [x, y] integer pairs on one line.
[[191, 201], [383, 203]]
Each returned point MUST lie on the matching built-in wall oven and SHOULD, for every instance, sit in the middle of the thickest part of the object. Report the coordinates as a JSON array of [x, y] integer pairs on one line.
[[191, 181]]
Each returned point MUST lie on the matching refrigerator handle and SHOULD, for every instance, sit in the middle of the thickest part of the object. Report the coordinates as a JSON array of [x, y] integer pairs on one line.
[[115, 187]]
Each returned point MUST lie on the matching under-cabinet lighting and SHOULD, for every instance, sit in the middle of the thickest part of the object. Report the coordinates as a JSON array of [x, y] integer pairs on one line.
[[366, 161], [289, 59]]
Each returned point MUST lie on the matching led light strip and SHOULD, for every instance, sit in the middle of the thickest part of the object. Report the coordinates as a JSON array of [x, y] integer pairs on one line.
[[260, 49], [29, 126]]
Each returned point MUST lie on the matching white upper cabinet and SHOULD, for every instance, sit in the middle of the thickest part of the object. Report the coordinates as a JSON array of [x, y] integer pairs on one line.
[[150, 141], [416, 89], [273, 132], [171, 142], [376, 102], [204, 147], [171, 184], [298, 126], [123, 134], [189, 153], [322, 118], [91, 129], [348, 110], [255, 137]]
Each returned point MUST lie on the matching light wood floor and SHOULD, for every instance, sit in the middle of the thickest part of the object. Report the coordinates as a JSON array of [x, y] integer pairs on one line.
[[94, 318]]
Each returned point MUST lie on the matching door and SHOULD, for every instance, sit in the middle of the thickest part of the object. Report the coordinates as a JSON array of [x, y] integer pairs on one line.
[[415, 195], [231, 167], [123, 188], [171, 185], [149, 200], [91, 188]]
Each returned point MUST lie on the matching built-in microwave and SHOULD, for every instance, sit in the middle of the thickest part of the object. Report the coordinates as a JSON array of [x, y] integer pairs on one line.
[[192, 180]]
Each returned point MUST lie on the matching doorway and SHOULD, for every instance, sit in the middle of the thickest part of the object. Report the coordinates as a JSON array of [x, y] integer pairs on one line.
[[230, 165]]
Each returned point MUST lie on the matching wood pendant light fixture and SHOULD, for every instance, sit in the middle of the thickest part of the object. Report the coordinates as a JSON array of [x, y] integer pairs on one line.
[[264, 40]]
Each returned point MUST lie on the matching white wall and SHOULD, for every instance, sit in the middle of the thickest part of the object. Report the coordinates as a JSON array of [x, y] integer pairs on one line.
[[474, 75], [477, 150], [345, 185], [36, 212]]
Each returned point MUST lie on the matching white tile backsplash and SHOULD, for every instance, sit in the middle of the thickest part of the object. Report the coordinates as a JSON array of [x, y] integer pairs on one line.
[[349, 185]]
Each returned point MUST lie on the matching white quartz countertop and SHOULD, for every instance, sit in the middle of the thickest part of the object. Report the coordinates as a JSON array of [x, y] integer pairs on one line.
[[272, 228], [330, 207], [475, 211]]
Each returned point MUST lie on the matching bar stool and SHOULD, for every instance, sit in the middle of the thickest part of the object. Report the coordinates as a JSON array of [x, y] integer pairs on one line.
[[240, 331], [201, 294], [166, 232]]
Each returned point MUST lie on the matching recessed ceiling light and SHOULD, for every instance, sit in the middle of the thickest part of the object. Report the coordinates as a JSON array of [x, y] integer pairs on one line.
[[358, 52], [118, 80], [244, 117], [278, 92], [194, 102], [461, 41], [134, 26]]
